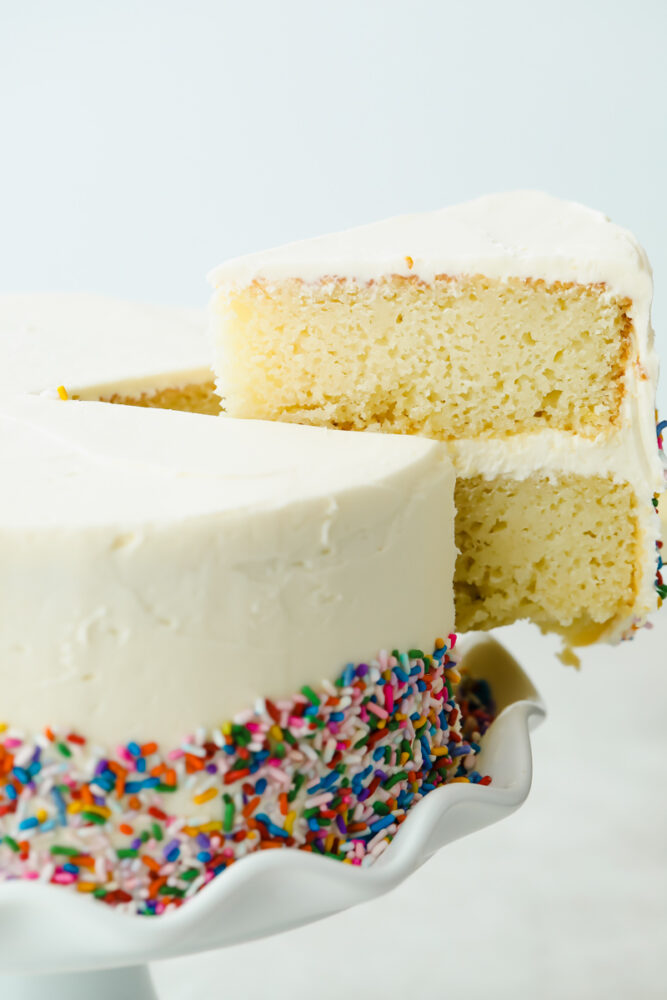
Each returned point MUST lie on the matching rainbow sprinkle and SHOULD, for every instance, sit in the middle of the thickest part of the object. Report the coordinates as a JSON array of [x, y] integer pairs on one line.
[[661, 426], [333, 771], [660, 585]]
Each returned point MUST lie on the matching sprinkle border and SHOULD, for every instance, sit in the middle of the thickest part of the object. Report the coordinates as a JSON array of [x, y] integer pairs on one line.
[[333, 771]]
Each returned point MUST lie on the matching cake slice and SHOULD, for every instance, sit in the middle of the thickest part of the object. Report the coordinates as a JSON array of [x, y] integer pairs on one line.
[[516, 328]]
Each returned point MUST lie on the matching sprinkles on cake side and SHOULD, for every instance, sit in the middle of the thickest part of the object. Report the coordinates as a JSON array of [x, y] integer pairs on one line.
[[333, 771], [660, 585]]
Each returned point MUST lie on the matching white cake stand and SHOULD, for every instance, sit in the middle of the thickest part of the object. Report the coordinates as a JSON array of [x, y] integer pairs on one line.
[[57, 945]]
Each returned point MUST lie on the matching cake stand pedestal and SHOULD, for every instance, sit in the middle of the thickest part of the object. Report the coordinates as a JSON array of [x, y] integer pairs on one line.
[[58, 945]]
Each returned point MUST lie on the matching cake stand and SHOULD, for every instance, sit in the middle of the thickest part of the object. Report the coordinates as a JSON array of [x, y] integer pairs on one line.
[[57, 945]]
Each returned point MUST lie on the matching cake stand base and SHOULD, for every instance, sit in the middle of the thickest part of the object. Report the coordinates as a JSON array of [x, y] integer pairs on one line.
[[132, 983]]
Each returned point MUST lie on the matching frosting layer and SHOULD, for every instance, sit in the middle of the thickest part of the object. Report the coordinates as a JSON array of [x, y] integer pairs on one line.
[[93, 345], [523, 234]]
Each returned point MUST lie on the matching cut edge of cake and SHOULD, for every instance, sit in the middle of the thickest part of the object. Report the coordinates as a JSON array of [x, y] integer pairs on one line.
[[517, 328]]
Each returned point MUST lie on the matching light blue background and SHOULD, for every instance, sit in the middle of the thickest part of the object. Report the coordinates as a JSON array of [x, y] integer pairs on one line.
[[144, 142]]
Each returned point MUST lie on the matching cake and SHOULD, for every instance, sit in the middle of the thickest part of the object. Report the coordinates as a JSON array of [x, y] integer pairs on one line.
[[516, 330], [213, 630], [228, 635]]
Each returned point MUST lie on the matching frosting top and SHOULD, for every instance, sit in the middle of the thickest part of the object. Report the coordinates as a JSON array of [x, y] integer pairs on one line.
[[516, 234], [95, 346], [81, 464]]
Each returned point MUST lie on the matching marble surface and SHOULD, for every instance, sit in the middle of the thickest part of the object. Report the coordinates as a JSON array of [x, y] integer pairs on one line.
[[567, 898]]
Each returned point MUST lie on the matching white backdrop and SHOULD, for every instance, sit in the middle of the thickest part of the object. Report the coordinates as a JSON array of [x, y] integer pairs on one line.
[[143, 141]]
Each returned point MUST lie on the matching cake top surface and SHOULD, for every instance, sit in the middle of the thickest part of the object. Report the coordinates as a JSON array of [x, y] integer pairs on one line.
[[88, 342], [516, 234], [83, 463]]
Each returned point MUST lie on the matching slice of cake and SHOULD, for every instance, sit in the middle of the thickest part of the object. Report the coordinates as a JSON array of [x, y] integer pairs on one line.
[[515, 328]]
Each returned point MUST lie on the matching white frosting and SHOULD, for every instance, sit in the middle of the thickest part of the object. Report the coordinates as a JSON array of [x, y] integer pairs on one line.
[[522, 234], [95, 346], [161, 570]]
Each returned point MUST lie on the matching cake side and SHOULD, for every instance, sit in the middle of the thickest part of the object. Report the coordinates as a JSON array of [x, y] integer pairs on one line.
[[139, 544], [333, 770], [212, 633]]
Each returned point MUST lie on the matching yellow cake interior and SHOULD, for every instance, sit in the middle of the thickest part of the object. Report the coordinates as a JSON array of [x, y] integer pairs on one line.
[[462, 357], [193, 398], [559, 552]]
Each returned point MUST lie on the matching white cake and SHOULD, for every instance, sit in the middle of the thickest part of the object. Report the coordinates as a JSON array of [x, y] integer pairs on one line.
[[179, 592]]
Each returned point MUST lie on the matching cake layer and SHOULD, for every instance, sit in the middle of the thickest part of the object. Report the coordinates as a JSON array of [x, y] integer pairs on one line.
[[197, 397], [459, 357], [161, 570], [559, 551], [177, 595]]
